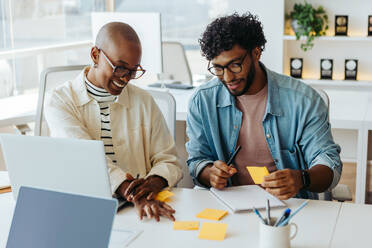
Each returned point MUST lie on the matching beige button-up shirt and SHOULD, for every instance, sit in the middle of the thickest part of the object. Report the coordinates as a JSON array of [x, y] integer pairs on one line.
[[141, 140]]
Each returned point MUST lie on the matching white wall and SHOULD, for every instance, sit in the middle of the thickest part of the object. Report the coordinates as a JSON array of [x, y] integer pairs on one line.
[[271, 14]]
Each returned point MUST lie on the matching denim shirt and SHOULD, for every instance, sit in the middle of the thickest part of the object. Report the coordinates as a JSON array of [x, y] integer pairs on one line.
[[295, 123]]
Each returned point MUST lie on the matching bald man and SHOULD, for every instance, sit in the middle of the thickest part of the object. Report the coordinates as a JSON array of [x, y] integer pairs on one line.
[[100, 104]]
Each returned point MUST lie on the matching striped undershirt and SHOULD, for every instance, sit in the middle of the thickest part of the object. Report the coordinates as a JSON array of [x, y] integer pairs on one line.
[[104, 99]]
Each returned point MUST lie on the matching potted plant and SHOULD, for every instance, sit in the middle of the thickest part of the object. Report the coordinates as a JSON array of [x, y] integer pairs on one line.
[[308, 22]]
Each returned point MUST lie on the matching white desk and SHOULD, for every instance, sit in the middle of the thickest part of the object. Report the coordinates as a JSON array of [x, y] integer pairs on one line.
[[353, 227], [318, 219], [17, 110]]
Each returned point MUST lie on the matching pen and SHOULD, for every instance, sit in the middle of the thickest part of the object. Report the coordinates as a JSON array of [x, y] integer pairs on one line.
[[268, 211], [259, 215], [285, 222], [134, 189], [283, 217], [234, 155]]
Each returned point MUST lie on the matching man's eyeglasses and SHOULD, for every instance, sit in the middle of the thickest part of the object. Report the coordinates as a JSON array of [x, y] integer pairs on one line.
[[121, 71], [233, 67]]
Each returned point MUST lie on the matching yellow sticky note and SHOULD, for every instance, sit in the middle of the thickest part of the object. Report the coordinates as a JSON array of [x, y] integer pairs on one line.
[[257, 173], [164, 195], [212, 214], [213, 231], [186, 225]]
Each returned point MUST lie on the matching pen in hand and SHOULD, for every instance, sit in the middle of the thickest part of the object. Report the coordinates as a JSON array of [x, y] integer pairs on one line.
[[134, 189], [233, 156]]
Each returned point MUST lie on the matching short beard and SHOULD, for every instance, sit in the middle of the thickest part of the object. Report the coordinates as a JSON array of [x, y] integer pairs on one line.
[[248, 81]]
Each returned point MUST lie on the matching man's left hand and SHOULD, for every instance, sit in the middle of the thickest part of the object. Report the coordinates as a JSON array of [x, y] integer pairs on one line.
[[283, 184]]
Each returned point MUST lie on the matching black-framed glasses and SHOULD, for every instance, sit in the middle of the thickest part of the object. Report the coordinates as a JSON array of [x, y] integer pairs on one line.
[[121, 71], [233, 67]]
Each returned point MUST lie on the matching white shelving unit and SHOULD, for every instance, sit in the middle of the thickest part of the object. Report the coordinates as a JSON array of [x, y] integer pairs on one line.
[[340, 84], [357, 45]]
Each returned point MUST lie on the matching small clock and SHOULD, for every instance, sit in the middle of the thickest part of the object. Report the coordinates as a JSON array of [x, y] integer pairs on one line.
[[296, 67], [326, 68], [351, 69], [341, 24]]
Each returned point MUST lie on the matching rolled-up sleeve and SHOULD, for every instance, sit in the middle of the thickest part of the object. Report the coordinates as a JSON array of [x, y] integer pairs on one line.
[[317, 142]]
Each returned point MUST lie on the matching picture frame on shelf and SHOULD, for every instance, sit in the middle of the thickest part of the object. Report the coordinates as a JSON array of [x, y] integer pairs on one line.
[[326, 69], [351, 69], [341, 25], [370, 25], [296, 66]]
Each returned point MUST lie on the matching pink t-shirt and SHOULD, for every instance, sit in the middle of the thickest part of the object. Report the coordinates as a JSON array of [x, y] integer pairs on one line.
[[255, 151]]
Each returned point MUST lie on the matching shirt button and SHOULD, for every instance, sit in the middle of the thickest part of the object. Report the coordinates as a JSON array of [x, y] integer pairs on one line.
[[235, 127], [268, 135]]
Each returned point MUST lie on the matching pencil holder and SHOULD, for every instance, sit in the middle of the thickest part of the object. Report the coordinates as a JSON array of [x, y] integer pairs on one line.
[[276, 237]]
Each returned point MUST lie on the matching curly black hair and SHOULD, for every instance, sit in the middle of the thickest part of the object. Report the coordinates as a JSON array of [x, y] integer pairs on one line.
[[225, 32]]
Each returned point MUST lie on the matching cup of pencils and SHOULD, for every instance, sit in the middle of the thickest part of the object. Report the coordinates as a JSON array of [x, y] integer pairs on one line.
[[278, 232], [272, 236]]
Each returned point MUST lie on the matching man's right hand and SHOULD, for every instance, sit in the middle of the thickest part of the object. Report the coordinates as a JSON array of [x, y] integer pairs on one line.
[[216, 174]]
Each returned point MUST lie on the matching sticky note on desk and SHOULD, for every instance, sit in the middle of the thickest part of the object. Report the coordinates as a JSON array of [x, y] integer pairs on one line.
[[164, 196], [212, 214], [257, 173], [186, 225], [213, 231]]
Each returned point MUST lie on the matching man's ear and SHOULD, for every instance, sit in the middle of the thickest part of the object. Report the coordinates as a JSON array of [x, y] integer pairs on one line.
[[256, 53], [94, 54]]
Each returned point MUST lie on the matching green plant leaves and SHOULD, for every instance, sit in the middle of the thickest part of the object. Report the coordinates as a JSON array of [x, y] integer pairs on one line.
[[311, 22]]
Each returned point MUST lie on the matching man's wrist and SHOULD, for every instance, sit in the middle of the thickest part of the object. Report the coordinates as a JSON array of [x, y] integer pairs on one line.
[[203, 176]]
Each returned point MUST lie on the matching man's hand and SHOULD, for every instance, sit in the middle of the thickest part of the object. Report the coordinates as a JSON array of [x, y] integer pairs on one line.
[[147, 188], [216, 175], [283, 184], [154, 208]]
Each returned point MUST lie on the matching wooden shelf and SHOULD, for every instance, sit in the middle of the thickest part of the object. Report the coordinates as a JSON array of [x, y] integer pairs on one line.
[[332, 38]]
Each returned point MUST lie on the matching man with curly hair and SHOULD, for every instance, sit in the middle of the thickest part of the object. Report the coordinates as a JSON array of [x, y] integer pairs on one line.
[[278, 121]]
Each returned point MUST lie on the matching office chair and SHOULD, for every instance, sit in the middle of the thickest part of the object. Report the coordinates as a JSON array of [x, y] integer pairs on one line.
[[51, 78], [341, 192], [167, 106], [54, 76], [175, 64]]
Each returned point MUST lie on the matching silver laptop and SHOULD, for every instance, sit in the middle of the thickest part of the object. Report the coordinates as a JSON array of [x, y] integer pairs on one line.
[[67, 165], [45, 219]]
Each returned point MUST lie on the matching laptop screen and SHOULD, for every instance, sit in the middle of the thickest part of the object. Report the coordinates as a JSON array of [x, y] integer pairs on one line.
[[44, 219]]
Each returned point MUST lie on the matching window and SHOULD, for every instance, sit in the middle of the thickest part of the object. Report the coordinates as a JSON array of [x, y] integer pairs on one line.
[[30, 24]]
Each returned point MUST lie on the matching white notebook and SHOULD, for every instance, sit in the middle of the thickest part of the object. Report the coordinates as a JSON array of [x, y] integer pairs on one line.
[[246, 197], [4, 180]]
